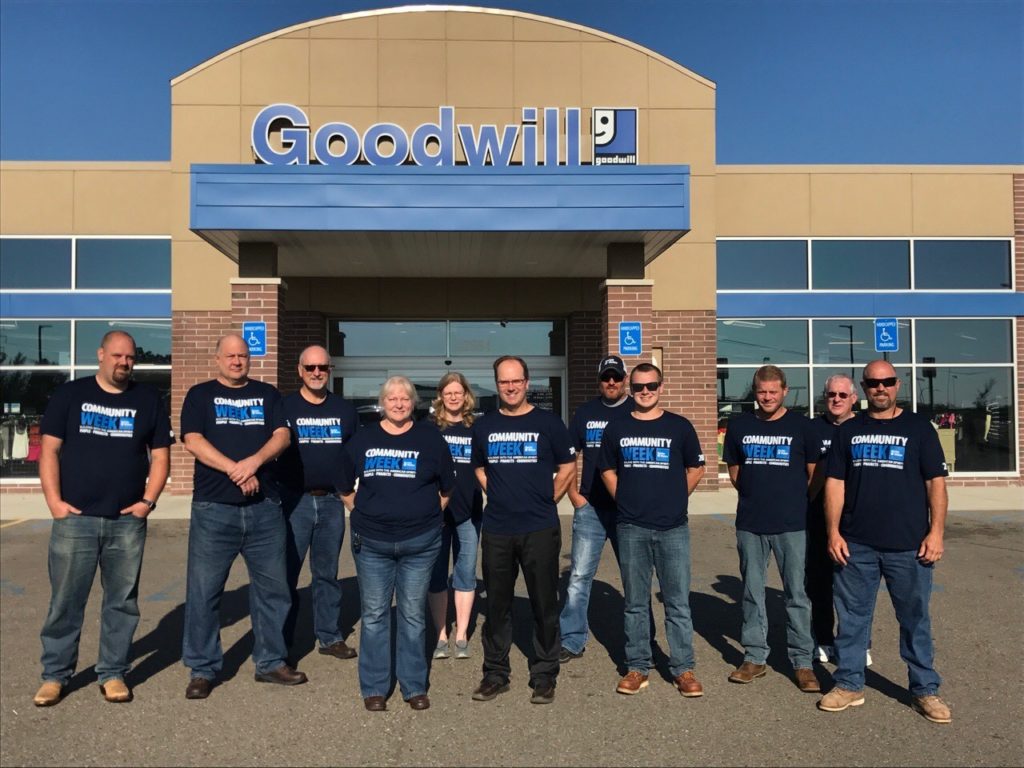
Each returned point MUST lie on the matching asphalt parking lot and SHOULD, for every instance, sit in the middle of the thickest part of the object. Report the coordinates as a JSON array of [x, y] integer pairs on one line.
[[978, 617]]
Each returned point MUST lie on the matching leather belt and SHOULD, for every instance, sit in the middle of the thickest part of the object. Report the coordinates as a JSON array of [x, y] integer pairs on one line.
[[319, 492]]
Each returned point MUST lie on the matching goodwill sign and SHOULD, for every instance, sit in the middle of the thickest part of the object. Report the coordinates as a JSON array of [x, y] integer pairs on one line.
[[614, 139]]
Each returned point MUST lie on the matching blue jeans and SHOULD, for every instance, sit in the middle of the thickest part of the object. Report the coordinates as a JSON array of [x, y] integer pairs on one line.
[[217, 534], [641, 551], [77, 545], [790, 551], [855, 586], [461, 541], [316, 524], [588, 537], [399, 569]]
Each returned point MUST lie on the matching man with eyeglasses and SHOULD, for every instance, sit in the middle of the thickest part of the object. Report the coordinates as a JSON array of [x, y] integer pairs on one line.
[[771, 455], [885, 509], [840, 395], [651, 463], [593, 519], [524, 459], [320, 423]]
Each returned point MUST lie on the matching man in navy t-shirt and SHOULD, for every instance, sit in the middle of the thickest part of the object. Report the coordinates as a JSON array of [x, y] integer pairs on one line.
[[235, 427], [321, 423], [100, 486], [651, 463], [885, 510], [593, 508], [517, 450], [771, 455]]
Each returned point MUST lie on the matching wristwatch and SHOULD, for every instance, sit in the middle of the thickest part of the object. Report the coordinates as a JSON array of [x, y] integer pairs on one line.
[[148, 503]]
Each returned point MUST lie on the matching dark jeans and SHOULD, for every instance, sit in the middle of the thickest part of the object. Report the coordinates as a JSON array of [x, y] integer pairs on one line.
[[537, 554], [819, 583]]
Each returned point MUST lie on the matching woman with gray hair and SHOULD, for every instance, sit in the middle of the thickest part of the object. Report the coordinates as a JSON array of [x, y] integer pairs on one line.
[[405, 475]]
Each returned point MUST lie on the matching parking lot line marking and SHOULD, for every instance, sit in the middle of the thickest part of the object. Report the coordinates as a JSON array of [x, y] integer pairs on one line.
[[14, 522]]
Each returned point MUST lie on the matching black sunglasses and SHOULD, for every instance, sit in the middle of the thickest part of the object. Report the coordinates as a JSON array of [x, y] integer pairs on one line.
[[650, 386], [889, 381], [311, 368], [840, 395], [612, 376]]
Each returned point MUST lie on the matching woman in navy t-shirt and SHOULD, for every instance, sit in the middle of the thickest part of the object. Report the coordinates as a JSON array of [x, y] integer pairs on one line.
[[405, 475], [453, 415]]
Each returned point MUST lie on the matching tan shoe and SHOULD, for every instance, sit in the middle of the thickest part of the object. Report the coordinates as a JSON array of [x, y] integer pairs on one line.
[[747, 672], [839, 699], [115, 691], [806, 681], [933, 708], [688, 685], [49, 693], [632, 683]]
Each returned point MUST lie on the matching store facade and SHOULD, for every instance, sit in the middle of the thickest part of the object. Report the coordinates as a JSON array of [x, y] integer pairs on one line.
[[423, 189]]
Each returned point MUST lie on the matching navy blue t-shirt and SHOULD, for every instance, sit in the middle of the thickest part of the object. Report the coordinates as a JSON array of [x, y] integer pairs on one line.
[[399, 477], [772, 457], [467, 499], [885, 463], [651, 459], [104, 460], [319, 430], [823, 432], [587, 427], [237, 421], [520, 455]]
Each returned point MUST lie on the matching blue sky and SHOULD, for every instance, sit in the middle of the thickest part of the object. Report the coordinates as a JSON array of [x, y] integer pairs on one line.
[[799, 81]]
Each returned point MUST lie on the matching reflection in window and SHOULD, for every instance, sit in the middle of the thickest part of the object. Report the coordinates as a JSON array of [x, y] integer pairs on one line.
[[755, 342], [762, 264], [973, 410], [35, 342], [35, 263], [387, 339], [24, 395], [122, 263], [850, 344], [964, 341], [152, 339], [860, 264], [962, 264], [493, 339]]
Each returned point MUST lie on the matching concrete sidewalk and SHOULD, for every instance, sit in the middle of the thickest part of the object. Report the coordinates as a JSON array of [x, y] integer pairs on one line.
[[30, 506]]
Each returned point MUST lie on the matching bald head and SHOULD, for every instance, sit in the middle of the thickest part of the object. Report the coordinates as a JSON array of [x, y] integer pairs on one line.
[[232, 359], [314, 354]]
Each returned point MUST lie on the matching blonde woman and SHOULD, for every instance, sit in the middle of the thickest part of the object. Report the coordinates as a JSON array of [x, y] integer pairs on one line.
[[453, 415]]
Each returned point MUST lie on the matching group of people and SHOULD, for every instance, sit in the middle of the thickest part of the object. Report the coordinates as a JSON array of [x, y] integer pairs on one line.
[[275, 475]]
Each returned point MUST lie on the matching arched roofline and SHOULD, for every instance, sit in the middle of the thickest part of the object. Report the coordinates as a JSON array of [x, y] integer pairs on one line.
[[443, 8]]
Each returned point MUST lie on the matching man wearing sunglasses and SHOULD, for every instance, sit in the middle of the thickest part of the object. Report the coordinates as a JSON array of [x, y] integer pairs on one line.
[[885, 509], [593, 518], [651, 463], [320, 423], [771, 455]]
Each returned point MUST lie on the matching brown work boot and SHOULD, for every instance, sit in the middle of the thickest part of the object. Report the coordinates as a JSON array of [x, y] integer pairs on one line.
[[933, 708], [839, 699], [688, 685], [49, 693], [747, 672], [806, 681], [632, 683], [115, 691]]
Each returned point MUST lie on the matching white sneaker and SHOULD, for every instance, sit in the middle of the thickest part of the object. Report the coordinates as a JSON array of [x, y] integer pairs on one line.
[[868, 662], [824, 654]]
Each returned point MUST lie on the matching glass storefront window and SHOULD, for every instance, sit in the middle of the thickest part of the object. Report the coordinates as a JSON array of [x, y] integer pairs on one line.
[[24, 395], [962, 264], [765, 265], [123, 263], [387, 339], [152, 339], [28, 263], [755, 342], [35, 342], [840, 265], [847, 343], [964, 341], [161, 379], [523, 338]]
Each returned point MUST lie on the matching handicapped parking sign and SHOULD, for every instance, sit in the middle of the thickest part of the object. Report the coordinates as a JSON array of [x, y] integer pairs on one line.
[[630, 338], [887, 334], [255, 335]]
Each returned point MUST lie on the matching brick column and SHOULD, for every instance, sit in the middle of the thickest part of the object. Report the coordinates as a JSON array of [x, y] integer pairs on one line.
[[261, 299], [586, 339]]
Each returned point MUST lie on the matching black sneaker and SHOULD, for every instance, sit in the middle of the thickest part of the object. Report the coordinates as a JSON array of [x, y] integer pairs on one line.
[[565, 655], [543, 694]]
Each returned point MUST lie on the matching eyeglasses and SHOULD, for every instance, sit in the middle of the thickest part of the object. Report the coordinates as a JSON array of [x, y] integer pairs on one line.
[[840, 395], [460, 393], [612, 376], [324, 368], [511, 382], [650, 386], [887, 382]]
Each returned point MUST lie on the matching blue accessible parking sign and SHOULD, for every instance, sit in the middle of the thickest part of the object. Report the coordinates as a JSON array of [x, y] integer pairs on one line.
[[887, 334], [255, 335], [631, 338]]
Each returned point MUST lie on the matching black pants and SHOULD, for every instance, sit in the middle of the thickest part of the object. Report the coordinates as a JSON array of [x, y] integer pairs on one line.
[[819, 581], [537, 553]]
